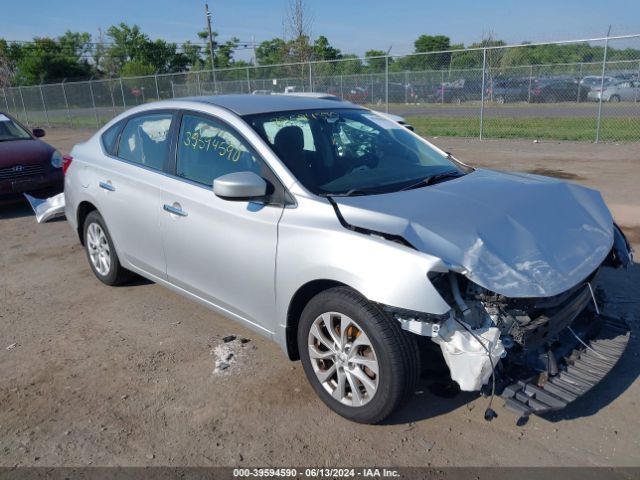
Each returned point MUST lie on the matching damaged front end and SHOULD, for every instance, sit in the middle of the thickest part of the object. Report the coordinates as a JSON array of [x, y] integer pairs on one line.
[[543, 352]]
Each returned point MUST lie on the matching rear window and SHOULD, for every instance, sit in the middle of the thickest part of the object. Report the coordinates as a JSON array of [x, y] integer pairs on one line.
[[145, 140], [110, 138]]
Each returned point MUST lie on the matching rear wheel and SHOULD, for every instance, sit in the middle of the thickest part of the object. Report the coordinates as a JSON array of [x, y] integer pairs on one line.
[[550, 98], [614, 98], [360, 363], [500, 99], [101, 253]]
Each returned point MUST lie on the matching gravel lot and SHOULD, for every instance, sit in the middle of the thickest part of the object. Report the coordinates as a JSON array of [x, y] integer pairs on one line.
[[92, 375]]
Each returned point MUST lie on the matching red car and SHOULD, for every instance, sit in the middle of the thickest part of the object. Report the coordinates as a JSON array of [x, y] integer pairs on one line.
[[27, 165]]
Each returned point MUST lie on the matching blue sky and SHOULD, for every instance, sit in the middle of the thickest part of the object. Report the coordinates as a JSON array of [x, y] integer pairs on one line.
[[351, 25]]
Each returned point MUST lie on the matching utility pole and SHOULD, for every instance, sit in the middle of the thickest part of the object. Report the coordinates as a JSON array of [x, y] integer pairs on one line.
[[213, 68]]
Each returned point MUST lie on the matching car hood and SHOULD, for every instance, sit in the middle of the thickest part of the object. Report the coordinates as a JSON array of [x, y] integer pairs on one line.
[[519, 235], [24, 152]]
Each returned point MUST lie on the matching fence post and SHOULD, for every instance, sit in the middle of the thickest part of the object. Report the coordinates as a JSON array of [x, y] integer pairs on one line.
[[341, 87], [442, 88], [24, 108], [157, 89], [637, 83], [44, 107], [604, 70], [6, 99], [406, 98], [66, 103], [198, 80], [386, 83], [93, 102], [579, 83], [173, 89], [124, 102], [484, 74], [530, 80], [113, 100], [248, 81], [310, 78]]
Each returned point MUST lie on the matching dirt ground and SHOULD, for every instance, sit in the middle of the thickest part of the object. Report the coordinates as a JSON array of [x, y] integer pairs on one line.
[[92, 375]]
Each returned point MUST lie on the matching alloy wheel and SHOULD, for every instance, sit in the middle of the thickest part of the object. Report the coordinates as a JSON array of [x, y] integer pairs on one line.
[[99, 250], [343, 359]]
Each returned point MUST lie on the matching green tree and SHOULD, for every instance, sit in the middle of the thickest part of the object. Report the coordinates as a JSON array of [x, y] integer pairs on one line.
[[322, 50], [49, 59], [271, 52], [375, 64], [432, 43], [137, 68]]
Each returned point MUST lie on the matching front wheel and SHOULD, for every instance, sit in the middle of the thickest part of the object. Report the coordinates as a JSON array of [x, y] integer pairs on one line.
[[614, 98], [359, 362]]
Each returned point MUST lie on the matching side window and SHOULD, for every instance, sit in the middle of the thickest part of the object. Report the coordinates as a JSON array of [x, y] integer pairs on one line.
[[207, 149], [145, 140], [110, 137]]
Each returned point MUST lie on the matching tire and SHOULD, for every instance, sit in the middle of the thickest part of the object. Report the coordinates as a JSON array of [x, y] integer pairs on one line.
[[501, 100], [614, 98], [373, 342], [457, 100], [550, 98], [101, 253]]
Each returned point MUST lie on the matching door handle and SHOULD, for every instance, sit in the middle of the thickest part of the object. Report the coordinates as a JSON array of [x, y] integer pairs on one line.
[[107, 186], [175, 210]]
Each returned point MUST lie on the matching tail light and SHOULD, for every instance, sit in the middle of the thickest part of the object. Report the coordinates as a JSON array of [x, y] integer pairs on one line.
[[66, 163]]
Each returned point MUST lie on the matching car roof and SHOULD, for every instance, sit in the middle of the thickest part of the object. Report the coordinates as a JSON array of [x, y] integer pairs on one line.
[[255, 104]]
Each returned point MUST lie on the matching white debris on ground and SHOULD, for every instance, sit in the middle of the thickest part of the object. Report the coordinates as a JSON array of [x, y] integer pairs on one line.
[[227, 353]]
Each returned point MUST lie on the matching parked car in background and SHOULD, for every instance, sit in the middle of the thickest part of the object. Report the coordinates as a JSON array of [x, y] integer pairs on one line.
[[557, 90], [462, 90], [330, 96], [621, 91], [508, 90], [352, 243], [593, 81], [27, 164]]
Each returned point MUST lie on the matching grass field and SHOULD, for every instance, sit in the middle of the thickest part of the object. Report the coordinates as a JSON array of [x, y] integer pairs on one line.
[[509, 124], [582, 129]]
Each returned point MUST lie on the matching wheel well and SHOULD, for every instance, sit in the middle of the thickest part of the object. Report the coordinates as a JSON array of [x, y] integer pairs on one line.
[[296, 306], [84, 209]]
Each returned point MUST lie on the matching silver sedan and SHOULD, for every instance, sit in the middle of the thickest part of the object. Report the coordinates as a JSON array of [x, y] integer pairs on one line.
[[348, 240], [622, 91]]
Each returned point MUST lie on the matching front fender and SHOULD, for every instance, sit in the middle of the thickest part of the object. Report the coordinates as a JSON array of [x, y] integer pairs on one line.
[[381, 270]]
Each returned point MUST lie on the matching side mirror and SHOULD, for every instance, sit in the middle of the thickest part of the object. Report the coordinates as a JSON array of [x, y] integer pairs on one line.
[[38, 132], [240, 186]]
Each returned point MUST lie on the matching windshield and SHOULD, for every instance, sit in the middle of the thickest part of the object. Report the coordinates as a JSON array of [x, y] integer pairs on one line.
[[350, 152], [10, 130]]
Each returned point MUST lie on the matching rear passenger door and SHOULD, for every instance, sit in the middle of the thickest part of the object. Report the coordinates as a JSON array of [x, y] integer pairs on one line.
[[221, 251], [127, 186]]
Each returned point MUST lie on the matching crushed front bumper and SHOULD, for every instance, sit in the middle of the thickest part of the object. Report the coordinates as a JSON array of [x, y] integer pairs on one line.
[[599, 343]]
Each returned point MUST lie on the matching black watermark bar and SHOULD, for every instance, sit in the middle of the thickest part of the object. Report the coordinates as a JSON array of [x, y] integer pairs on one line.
[[230, 473]]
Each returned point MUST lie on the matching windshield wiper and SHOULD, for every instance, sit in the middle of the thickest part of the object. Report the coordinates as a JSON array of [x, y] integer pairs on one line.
[[354, 192], [430, 180]]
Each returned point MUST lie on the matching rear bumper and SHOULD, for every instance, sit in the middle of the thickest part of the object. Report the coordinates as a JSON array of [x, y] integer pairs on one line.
[[587, 352]]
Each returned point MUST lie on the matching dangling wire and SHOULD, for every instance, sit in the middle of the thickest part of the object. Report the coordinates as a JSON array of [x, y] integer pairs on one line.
[[489, 413]]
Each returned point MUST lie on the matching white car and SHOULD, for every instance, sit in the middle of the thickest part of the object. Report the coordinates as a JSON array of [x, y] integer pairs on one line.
[[346, 238]]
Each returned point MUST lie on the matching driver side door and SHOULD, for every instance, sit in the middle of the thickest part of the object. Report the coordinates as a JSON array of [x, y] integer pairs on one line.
[[220, 251]]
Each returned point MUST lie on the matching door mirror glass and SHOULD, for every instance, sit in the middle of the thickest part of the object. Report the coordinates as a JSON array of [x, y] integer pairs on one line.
[[240, 186]]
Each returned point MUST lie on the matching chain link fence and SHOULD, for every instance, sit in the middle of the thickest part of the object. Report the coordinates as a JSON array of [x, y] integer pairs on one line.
[[525, 91]]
